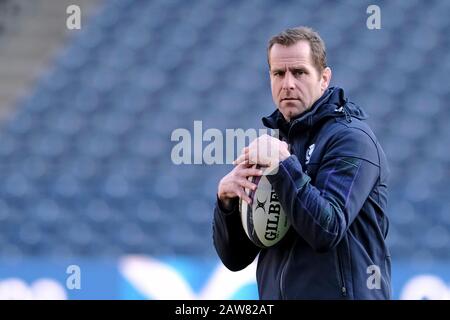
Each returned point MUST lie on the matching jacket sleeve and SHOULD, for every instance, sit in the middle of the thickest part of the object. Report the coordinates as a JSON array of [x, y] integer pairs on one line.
[[232, 244], [322, 213]]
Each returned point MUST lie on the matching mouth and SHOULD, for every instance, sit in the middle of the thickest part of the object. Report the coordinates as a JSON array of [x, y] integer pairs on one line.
[[290, 99]]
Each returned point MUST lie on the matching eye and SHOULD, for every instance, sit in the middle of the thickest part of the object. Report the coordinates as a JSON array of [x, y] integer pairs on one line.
[[298, 72]]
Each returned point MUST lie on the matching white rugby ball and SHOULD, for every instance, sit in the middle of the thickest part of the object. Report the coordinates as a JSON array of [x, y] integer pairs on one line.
[[264, 221]]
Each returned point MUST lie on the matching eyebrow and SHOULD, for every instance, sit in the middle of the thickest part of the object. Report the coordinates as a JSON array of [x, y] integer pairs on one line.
[[278, 70], [293, 68]]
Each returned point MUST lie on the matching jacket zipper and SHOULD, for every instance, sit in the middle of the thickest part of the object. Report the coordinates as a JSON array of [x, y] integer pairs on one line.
[[284, 268], [341, 275]]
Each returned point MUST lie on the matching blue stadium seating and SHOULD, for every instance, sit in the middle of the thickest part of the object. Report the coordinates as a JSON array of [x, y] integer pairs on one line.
[[85, 162]]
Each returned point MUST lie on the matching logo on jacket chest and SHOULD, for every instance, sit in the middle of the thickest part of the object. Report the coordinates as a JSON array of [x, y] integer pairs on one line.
[[309, 153]]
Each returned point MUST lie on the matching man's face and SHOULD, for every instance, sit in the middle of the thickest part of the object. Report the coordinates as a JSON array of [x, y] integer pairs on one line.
[[296, 83]]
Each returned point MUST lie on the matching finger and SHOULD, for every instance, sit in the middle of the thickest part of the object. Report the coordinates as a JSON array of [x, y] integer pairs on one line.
[[244, 196], [242, 158], [246, 184], [251, 172], [243, 165], [245, 150], [244, 153]]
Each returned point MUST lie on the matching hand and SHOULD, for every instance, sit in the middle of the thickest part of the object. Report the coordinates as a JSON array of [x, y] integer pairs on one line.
[[266, 151], [233, 184]]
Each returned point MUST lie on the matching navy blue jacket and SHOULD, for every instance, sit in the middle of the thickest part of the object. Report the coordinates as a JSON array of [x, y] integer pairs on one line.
[[335, 198]]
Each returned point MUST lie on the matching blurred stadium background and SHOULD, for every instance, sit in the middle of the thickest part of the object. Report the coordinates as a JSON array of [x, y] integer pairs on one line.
[[87, 116]]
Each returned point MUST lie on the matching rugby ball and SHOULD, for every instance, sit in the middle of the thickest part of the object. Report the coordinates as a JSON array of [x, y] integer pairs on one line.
[[264, 221]]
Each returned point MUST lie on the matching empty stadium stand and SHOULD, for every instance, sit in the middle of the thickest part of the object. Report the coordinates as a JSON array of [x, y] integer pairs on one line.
[[85, 160]]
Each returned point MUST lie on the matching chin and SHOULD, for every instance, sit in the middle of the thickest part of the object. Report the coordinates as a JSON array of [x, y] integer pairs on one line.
[[290, 112]]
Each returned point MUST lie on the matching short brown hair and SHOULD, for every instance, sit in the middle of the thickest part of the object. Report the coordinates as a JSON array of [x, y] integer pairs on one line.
[[291, 36]]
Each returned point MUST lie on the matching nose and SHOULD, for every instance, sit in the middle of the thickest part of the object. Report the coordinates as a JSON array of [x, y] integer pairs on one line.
[[288, 81]]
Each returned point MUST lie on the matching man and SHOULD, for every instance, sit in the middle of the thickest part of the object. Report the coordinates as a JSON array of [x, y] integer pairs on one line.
[[331, 182]]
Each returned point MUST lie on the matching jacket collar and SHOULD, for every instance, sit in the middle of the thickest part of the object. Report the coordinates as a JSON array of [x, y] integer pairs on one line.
[[332, 103]]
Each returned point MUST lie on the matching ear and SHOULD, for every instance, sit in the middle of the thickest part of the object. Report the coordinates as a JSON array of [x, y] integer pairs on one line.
[[325, 79]]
